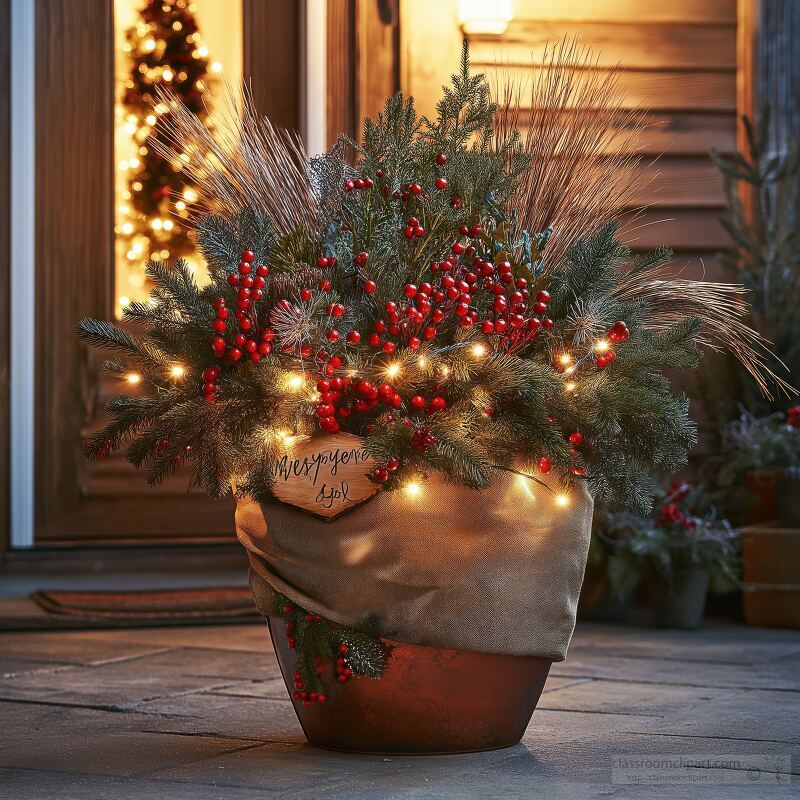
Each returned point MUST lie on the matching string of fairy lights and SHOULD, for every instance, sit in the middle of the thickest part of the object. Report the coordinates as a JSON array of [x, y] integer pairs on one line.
[[297, 381]]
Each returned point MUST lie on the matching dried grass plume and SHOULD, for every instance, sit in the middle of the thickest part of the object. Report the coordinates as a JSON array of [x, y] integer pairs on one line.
[[582, 142], [246, 161]]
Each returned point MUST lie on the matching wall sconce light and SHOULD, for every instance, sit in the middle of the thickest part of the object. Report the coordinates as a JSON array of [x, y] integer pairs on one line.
[[485, 16]]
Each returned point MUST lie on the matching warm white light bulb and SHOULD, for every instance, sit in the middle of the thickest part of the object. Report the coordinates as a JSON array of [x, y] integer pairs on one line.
[[133, 377], [562, 500], [393, 370], [565, 359], [601, 345], [570, 387], [413, 488], [295, 381], [478, 350], [177, 371]]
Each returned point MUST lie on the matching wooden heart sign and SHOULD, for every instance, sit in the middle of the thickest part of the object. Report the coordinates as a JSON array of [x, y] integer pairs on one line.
[[325, 474]]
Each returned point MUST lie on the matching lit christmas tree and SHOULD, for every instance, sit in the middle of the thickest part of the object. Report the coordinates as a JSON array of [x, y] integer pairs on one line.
[[165, 49]]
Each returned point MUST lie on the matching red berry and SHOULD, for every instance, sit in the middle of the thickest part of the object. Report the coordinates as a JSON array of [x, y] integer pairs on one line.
[[576, 439], [389, 347], [415, 189], [370, 286], [543, 297], [441, 159], [305, 295], [233, 279], [429, 332], [380, 475], [322, 262], [410, 290], [438, 404], [332, 335], [262, 271], [417, 401], [248, 256], [325, 285], [353, 337], [219, 325], [544, 465], [441, 183], [539, 308], [548, 323]]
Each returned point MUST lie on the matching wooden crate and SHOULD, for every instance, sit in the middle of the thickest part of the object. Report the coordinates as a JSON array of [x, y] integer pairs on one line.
[[771, 567]]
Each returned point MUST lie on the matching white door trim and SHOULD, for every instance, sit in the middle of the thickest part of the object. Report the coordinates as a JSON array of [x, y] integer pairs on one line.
[[313, 75], [23, 267]]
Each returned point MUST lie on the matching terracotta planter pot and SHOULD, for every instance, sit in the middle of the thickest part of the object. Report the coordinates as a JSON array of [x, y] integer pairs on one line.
[[681, 602], [429, 700]]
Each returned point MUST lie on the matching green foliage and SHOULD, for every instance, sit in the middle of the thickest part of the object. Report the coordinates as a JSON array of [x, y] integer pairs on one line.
[[509, 400], [684, 532], [318, 641], [762, 188]]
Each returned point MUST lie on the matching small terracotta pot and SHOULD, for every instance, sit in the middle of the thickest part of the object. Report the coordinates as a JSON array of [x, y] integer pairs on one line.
[[429, 700]]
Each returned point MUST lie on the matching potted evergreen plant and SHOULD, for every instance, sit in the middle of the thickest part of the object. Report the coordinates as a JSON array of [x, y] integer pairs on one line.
[[756, 454], [684, 551], [419, 371]]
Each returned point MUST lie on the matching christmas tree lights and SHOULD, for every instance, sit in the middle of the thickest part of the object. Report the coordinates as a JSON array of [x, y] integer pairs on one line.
[[163, 48]]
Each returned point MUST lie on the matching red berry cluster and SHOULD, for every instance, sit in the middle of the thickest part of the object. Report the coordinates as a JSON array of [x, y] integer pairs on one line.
[[341, 397], [413, 229], [250, 289], [210, 375], [422, 439], [793, 417], [324, 262], [420, 315], [381, 474], [343, 670], [419, 403], [358, 183], [617, 333]]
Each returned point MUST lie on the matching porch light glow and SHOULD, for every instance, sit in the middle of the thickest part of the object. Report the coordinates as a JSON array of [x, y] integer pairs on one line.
[[485, 16]]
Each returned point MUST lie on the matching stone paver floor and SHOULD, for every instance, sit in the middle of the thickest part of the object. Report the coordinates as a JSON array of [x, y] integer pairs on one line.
[[202, 713]]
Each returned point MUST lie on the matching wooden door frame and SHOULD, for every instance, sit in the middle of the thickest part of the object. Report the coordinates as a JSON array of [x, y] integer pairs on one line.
[[62, 228]]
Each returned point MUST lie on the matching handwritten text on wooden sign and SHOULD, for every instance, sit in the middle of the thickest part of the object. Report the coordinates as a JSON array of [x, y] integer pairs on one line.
[[325, 475]]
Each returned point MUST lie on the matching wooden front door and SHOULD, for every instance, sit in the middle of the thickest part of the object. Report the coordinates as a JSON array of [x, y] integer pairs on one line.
[[106, 501]]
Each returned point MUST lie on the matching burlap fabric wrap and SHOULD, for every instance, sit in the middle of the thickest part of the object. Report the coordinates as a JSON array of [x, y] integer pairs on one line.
[[496, 571]]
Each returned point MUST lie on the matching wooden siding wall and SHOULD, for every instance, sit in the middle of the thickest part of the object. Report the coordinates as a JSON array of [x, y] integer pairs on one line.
[[679, 62]]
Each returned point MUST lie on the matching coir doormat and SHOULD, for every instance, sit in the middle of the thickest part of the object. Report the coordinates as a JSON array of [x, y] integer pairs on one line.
[[148, 607]]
